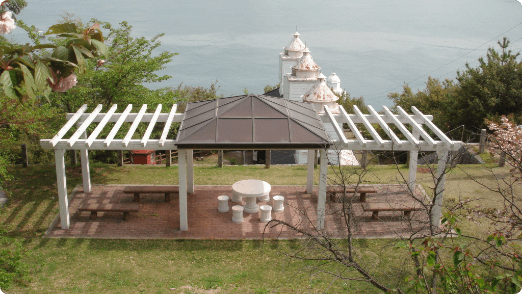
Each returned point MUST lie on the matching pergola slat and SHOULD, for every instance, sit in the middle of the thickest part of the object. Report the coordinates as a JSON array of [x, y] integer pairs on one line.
[[151, 125], [433, 127], [134, 125], [337, 129], [168, 124], [385, 126], [353, 127], [84, 125], [117, 126], [417, 127], [68, 125], [401, 127], [101, 125], [368, 126], [116, 144]]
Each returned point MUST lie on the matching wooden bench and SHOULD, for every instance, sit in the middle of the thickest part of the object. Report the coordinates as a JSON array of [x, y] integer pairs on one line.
[[362, 190], [137, 190], [126, 208], [376, 207]]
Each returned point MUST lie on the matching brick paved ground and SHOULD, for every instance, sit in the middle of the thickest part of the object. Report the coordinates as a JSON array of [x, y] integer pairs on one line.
[[157, 219]]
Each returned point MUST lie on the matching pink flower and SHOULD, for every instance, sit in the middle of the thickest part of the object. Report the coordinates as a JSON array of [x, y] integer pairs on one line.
[[63, 84], [100, 63], [7, 23]]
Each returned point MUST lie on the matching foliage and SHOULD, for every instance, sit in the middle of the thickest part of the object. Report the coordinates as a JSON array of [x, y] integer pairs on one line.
[[507, 139], [348, 102], [492, 89], [269, 88], [12, 269]]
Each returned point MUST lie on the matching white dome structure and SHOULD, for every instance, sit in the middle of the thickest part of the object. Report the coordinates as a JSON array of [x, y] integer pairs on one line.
[[289, 57], [295, 47], [320, 95], [334, 82], [305, 67]]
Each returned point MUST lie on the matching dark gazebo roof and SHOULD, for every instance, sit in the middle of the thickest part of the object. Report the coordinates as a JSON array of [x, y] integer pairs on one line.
[[251, 122]]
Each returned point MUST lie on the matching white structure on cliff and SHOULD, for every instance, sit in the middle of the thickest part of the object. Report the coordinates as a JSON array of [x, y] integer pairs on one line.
[[301, 80]]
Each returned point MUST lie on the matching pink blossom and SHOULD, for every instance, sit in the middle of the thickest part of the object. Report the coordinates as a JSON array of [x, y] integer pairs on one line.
[[7, 23], [63, 84], [100, 63]]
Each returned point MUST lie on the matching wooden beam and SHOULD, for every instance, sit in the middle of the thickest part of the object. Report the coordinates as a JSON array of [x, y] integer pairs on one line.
[[178, 117], [368, 126], [337, 129], [117, 126], [61, 182], [310, 174], [416, 127], [321, 201], [134, 125], [401, 127], [353, 127], [433, 127], [99, 144], [385, 126], [151, 126], [68, 125], [182, 165], [101, 125], [83, 127], [168, 124]]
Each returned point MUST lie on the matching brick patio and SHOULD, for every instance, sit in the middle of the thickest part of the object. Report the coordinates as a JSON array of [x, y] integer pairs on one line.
[[157, 219]]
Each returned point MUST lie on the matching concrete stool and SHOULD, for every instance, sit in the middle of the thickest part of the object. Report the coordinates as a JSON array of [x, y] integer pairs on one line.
[[223, 203], [265, 198], [237, 213], [278, 203], [266, 213], [236, 197]]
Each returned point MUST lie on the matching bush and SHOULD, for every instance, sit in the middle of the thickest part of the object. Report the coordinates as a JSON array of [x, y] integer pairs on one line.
[[12, 269]]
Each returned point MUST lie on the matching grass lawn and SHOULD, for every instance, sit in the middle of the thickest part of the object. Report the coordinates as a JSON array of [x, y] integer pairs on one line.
[[156, 266]]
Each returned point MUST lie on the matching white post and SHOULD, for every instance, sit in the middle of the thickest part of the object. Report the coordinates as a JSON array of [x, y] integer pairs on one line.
[[190, 171], [321, 200], [86, 175], [182, 166], [414, 156], [62, 187], [310, 176], [436, 212]]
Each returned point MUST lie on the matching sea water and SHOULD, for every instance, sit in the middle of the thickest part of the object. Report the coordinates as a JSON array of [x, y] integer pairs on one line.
[[373, 46]]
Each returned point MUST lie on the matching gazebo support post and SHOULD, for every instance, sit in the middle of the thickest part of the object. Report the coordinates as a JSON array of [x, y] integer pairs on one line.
[[182, 165], [190, 171], [310, 175], [86, 174], [62, 187], [436, 212], [321, 201], [414, 156]]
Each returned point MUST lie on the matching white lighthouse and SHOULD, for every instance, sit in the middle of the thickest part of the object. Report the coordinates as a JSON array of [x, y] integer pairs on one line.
[[303, 77], [289, 57]]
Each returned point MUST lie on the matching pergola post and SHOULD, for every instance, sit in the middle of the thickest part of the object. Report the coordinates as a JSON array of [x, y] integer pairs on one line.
[[310, 176], [62, 187], [321, 199], [190, 171], [86, 174], [412, 169], [182, 165], [436, 212]]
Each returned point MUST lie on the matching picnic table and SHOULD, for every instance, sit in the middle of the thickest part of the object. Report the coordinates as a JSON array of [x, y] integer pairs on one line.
[[251, 189]]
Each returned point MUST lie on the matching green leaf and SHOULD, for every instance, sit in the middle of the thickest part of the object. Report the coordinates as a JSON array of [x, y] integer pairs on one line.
[[41, 74], [61, 53], [30, 86], [516, 281], [481, 283], [62, 28], [498, 241], [458, 256], [100, 47], [84, 51], [44, 46], [431, 259], [66, 62], [7, 84], [490, 238], [458, 231], [25, 60], [79, 59]]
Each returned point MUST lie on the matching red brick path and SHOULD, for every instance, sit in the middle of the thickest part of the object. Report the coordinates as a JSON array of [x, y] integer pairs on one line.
[[157, 219]]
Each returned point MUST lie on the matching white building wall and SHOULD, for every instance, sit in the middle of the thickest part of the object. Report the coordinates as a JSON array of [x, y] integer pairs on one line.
[[298, 88]]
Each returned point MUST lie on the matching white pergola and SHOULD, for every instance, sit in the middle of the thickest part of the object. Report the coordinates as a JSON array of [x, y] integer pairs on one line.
[[417, 140]]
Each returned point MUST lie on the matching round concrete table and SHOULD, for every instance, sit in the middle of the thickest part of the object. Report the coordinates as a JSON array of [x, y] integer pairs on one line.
[[251, 189]]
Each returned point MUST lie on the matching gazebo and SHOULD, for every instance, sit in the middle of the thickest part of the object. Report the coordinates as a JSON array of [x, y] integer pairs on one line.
[[247, 122]]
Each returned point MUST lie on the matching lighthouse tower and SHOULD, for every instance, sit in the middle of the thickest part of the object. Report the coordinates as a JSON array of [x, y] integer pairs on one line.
[[335, 83], [320, 95], [289, 57], [303, 77]]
